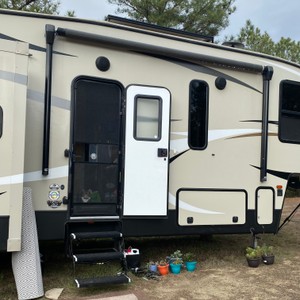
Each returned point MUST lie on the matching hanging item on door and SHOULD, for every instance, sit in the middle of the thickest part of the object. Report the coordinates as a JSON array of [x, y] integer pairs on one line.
[[90, 196]]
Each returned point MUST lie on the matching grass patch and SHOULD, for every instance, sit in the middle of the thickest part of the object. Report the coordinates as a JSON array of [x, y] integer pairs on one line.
[[213, 252]]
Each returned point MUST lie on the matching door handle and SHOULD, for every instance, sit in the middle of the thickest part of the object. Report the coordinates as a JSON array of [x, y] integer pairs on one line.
[[162, 152]]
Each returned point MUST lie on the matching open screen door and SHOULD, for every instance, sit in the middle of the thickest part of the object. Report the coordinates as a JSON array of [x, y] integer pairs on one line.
[[146, 151]]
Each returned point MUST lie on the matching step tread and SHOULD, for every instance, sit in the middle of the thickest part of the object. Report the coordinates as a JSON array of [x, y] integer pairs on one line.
[[97, 257], [119, 279], [93, 235]]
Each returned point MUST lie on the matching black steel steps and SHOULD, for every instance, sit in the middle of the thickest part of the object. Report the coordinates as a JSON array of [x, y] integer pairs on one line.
[[119, 279], [95, 235], [97, 257], [97, 243]]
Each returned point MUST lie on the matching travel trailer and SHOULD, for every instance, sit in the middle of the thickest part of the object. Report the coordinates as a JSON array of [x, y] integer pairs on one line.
[[120, 128]]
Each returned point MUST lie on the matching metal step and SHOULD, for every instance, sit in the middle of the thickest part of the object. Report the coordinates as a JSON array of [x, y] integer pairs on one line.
[[94, 218], [94, 235], [102, 281], [97, 257]]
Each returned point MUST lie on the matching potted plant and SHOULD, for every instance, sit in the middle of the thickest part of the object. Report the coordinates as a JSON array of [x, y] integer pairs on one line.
[[190, 261], [176, 262], [152, 266], [175, 256], [268, 256], [175, 266], [253, 256], [163, 267]]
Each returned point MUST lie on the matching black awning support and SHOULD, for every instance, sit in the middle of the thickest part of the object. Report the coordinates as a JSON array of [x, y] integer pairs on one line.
[[50, 35], [267, 76], [289, 217]]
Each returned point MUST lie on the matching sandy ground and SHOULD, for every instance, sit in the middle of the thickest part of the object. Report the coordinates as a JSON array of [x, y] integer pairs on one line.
[[230, 281]]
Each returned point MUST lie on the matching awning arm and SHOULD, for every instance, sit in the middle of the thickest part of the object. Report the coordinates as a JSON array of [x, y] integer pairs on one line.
[[50, 35]]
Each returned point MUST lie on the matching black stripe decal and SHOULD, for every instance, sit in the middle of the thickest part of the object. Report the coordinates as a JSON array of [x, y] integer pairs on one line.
[[3, 193], [279, 174], [201, 69], [178, 155], [31, 46], [259, 121]]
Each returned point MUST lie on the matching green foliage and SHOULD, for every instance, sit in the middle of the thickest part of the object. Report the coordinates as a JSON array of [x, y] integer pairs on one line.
[[176, 257], [267, 250], [71, 13], [288, 49], [255, 40], [189, 256], [152, 263], [163, 263], [176, 261], [38, 6], [206, 17], [253, 253], [176, 254]]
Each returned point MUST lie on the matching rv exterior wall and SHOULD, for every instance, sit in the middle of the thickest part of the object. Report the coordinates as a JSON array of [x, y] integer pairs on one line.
[[204, 183], [13, 80]]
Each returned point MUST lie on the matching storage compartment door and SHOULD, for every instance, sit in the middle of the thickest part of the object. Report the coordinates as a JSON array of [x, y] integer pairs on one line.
[[211, 207], [265, 205]]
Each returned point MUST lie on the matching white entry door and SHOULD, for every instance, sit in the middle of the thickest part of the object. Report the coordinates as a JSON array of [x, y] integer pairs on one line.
[[146, 151]]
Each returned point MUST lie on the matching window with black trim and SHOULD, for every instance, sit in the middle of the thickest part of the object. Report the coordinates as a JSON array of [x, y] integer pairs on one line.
[[1, 121], [147, 118], [289, 112], [198, 115]]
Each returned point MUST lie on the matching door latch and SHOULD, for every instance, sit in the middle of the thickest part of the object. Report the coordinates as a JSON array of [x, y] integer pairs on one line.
[[162, 152]]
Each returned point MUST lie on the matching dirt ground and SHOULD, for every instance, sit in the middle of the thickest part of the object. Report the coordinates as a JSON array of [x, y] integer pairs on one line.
[[222, 271], [231, 279]]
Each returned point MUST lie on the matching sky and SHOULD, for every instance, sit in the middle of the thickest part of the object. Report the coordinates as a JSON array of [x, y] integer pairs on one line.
[[279, 18]]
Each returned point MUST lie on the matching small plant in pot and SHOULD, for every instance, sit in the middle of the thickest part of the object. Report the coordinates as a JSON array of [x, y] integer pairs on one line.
[[176, 255], [176, 265], [163, 267], [253, 256], [190, 261], [267, 254], [152, 266], [176, 262]]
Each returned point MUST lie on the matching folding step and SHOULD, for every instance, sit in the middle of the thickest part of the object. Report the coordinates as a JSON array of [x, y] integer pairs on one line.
[[94, 235], [97, 257], [97, 242], [120, 279]]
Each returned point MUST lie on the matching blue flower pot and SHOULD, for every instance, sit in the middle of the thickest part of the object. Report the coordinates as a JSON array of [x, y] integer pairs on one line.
[[175, 268], [191, 265], [153, 268]]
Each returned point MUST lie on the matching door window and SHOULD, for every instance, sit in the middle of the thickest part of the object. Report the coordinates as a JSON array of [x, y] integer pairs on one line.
[[147, 119]]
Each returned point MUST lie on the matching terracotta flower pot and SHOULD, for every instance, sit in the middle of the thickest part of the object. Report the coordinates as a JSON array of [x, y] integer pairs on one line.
[[163, 270]]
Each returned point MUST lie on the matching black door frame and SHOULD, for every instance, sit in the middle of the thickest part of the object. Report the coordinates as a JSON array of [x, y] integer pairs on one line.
[[72, 158]]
